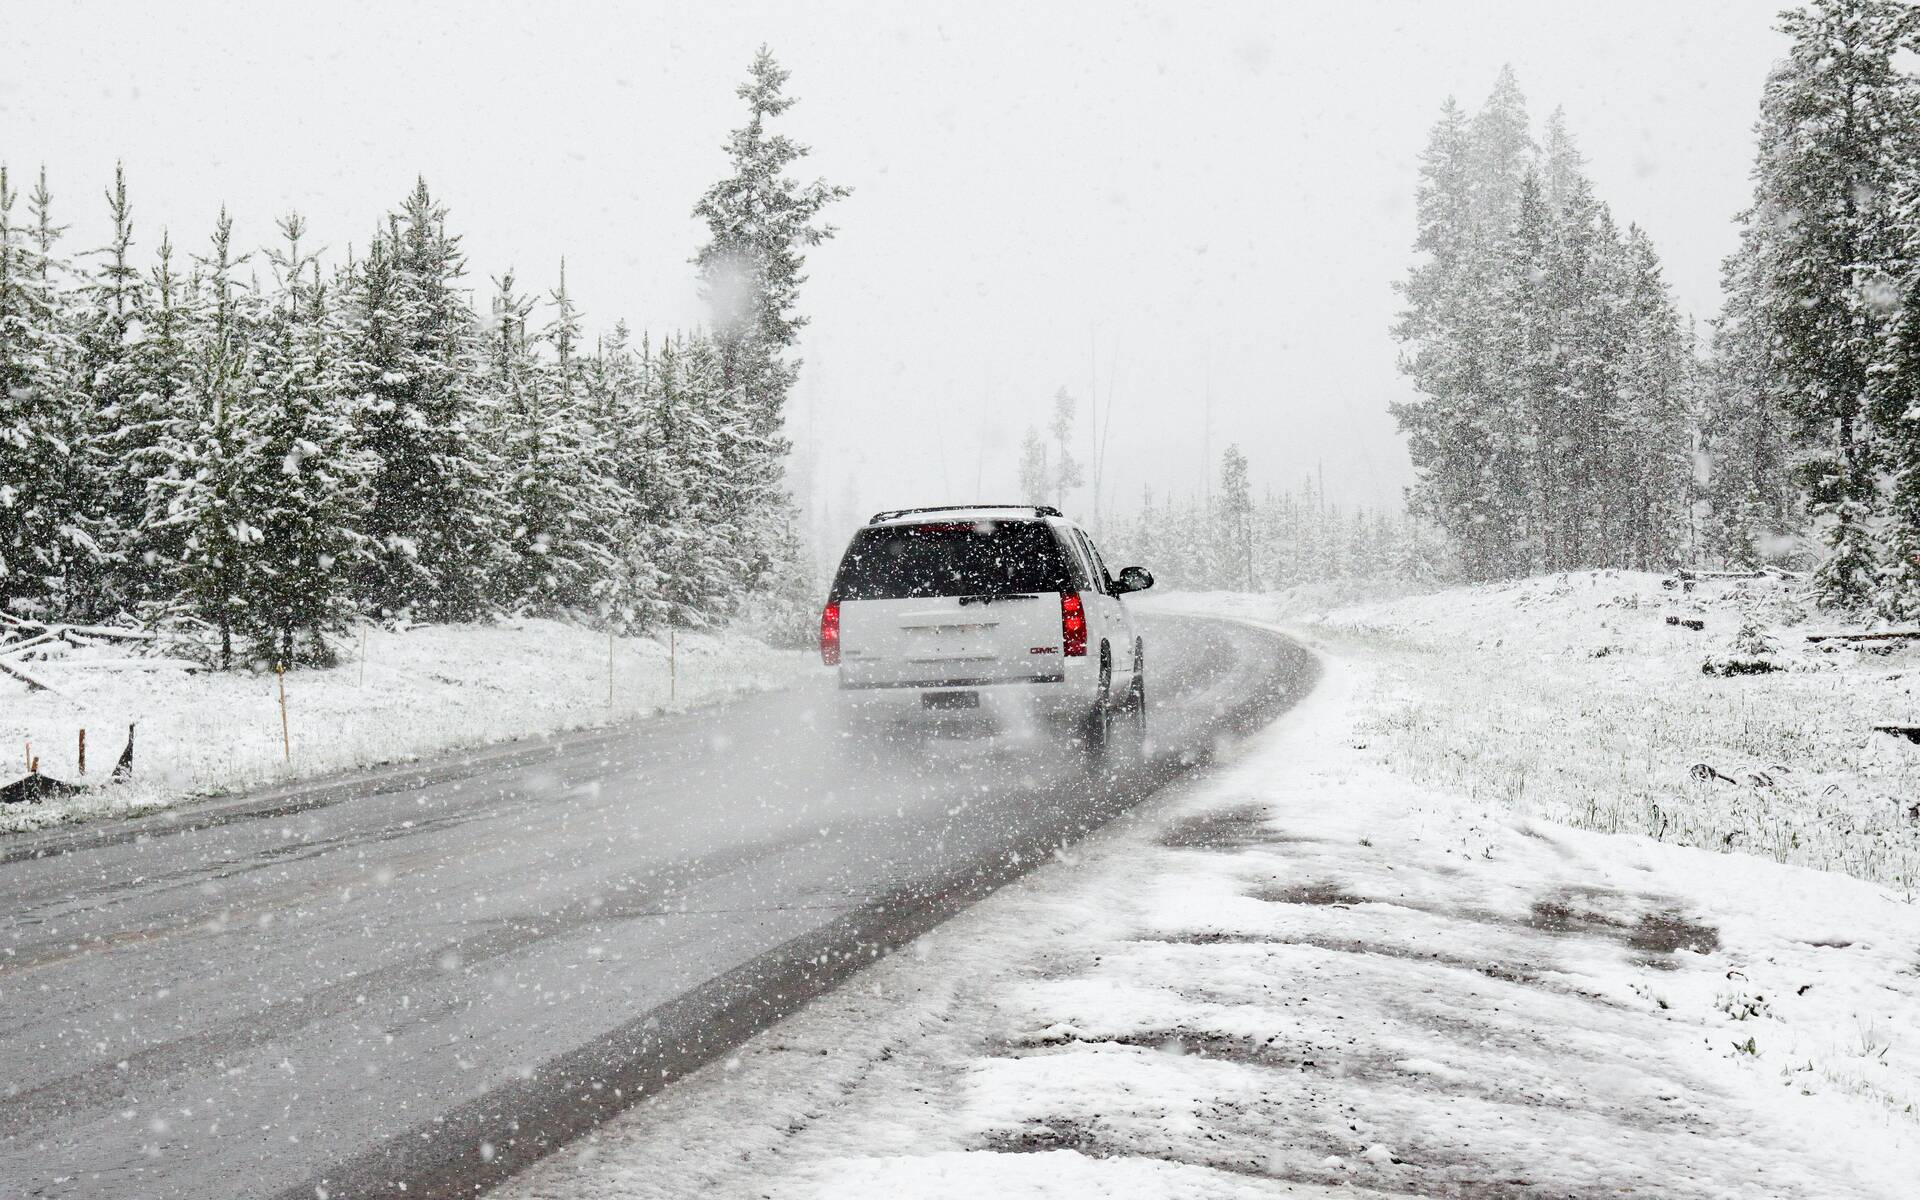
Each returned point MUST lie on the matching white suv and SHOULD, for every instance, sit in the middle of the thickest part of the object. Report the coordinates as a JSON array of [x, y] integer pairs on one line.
[[995, 614]]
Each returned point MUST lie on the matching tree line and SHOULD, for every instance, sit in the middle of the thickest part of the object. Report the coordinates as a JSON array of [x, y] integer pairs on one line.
[[1228, 538], [1567, 418], [1555, 374], [1813, 420], [252, 448], [1236, 540], [1231, 538]]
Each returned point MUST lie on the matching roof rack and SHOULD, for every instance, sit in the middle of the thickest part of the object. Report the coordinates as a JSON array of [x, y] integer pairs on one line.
[[1038, 510]]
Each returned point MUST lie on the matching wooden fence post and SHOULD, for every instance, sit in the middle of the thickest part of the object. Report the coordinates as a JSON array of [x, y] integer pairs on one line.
[[83, 752], [286, 736]]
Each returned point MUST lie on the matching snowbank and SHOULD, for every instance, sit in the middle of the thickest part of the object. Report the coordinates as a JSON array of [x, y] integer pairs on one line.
[[1310, 975], [414, 693]]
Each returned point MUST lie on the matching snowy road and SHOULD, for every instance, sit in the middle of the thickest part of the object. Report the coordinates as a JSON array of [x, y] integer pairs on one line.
[[433, 976]]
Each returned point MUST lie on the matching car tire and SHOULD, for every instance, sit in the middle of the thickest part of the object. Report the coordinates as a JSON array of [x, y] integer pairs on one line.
[[1096, 727], [1137, 702], [1096, 734]]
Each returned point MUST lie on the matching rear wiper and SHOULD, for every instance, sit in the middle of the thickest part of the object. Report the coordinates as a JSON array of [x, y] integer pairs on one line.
[[966, 600]]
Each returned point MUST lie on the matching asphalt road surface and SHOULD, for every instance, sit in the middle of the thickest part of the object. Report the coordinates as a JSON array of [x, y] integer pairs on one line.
[[431, 976]]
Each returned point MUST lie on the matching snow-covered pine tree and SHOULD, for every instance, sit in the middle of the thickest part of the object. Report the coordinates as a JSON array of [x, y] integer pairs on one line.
[[616, 402], [1382, 537], [1066, 473], [1443, 358], [761, 222], [1835, 117], [1313, 557], [202, 493], [1417, 554], [39, 538], [1546, 353], [1233, 528], [679, 532], [1140, 538], [1894, 399], [1036, 480], [304, 474], [784, 607], [755, 516], [516, 440], [1577, 444], [1744, 428], [79, 578], [409, 360], [1458, 433], [147, 439], [1338, 545], [1273, 542], [123, 432], [559, 489], [1521, 425], [1651, 470]]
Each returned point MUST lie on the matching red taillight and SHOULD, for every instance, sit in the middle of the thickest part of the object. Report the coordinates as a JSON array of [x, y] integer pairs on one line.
[[830, 635], [1073, 625]]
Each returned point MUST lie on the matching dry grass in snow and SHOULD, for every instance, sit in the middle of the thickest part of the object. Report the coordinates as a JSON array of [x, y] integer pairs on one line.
[[1573, 698]]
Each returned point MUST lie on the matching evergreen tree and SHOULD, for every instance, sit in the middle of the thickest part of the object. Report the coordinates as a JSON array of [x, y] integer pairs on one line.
[[1744, 426], [1651, 469], [79, 578], [1036, 480], [694, 555], [558, 488], [303, 473], [251, 464], [616, 391], [147, 442], [1834, 119], [1066, 474], [124, 431], [1524, 410], [1893, 294], [1462, 212], [409, 360], [204, 486], [1555, 379], [40, 540], [1234, 522], [760, 223]]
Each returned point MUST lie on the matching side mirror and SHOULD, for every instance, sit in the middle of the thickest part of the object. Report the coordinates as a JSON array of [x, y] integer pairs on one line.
[[1133, 579]]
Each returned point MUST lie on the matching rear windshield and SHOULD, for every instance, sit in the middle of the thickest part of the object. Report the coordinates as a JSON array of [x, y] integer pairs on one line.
[[990, 558]]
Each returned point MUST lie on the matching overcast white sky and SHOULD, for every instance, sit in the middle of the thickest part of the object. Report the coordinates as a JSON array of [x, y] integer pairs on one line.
[[1184, 191]]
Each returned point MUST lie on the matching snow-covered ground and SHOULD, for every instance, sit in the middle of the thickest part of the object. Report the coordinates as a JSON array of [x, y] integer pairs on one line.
[[1575, 698], [429, 689], [1325, 971]]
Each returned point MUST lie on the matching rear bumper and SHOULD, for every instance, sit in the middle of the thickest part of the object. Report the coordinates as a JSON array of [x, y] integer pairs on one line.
[[1003, 703], [929, 685]]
